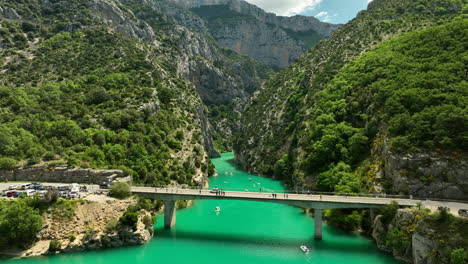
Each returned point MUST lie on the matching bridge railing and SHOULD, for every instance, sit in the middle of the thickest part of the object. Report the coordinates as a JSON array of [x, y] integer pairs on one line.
[[267, 190]]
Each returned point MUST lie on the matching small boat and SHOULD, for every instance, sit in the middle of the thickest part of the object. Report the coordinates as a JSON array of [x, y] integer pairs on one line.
[[250, 179], [226, 173], [217, 209], [226, 182], [304, 248], [231, 174]]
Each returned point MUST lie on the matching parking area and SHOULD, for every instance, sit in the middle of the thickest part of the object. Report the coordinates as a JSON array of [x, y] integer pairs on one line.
[[12, 190]]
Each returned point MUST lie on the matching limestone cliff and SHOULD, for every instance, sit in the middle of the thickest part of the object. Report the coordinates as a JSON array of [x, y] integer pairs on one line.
[[92, 225], [274, 40], [417, 236]]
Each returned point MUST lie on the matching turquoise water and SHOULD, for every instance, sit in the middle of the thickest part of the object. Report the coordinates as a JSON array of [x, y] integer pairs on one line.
[[242, 233]]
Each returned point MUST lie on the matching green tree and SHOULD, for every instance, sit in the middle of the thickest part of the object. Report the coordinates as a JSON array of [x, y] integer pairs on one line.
[[120, 190], [7, 163], [458, 256], [20, 223]]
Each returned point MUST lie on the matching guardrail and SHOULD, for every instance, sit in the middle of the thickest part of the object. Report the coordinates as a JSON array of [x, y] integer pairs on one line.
[[306, 192]]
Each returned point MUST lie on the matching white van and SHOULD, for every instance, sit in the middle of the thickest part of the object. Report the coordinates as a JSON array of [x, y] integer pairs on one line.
[[74, 187], [29, 192]]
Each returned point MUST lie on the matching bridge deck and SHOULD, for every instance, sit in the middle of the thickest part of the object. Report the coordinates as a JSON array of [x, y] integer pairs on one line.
[[316, 201]]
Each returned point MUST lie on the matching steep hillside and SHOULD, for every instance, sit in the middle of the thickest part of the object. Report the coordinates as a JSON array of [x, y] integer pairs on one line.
[[407, 100], [82, 85], [274, 40]]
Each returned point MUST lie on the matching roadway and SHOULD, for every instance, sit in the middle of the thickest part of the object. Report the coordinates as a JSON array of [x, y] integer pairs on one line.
[[191, 194]]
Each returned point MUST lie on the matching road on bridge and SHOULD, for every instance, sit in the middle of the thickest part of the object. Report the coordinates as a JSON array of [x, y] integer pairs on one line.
[[267, 196]]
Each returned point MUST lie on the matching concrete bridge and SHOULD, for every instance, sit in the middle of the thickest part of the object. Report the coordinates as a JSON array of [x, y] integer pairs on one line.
[[317, 202]]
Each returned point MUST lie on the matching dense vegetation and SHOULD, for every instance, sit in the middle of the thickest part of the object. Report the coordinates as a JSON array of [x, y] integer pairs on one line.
[[313, 124], [413, 89], [21, 219], [94, 99], [19, 222]]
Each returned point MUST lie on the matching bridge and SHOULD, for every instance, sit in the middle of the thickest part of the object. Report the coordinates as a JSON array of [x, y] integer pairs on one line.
[[317, 202]]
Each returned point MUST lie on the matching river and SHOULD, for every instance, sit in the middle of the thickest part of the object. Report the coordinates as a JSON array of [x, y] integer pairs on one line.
[[241, 233]]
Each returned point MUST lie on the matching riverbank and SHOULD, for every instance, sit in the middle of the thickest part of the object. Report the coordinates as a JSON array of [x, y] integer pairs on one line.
[[86, 224]]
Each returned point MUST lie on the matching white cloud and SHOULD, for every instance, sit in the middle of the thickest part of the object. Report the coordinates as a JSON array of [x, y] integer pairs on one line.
[[285, 7], [321, 14]]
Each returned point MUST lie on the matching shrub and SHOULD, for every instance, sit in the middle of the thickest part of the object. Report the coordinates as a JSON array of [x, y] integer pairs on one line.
[[120, 190], [7, 163], [389, 211], [55, 245], [458, 256], [72, 237], [19, 222], [112, 225], [129, 219]]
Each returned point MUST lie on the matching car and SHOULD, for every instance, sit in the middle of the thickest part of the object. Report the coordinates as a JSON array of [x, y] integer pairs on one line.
[[463, 212], [18, 194], [30, 192], [10, 193], [42, 194], [73, 195], [74, 187], [214, 190], [13, 187], [63, 194], [26, 186], [37, 186], [105, 185]]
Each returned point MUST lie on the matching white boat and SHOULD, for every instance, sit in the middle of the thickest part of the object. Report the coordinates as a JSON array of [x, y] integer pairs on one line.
[[231, 174], [217, 209], [304, 248], [250, 179]]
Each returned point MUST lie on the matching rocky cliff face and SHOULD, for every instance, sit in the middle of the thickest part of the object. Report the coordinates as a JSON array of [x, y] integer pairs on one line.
[[416, 236], [247, 29], [94, 225], [287, 116]]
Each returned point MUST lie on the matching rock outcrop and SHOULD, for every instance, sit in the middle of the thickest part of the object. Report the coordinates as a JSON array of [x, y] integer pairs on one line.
[[93, 225], [415, 236], [60, 174], [440, 175], [274, 40]]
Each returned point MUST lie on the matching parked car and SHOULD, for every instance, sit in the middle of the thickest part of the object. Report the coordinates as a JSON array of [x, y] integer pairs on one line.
[[63, 194], [37, 186], [463, 212], [18, 194], [73, 195], [74, 187], [13, 187], [30, 192], [105, 185], [10, 193], [26, 186], [42, 194]]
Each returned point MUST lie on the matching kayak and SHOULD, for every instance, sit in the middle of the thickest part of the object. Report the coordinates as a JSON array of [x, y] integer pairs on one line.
[[304, 248]]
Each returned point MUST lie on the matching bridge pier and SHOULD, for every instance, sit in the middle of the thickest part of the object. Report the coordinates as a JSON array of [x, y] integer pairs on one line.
[[169, 214], [318, 224]]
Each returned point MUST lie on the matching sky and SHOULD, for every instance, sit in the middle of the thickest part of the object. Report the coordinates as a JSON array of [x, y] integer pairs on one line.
[[332, 11]]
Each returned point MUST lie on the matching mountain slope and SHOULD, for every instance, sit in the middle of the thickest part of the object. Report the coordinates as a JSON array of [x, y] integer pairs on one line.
[[89, 91], [289, 141], [274, 40]]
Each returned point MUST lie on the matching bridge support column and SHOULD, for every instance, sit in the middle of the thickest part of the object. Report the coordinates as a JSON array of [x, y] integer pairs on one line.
[[169, 214], [318, 224]]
